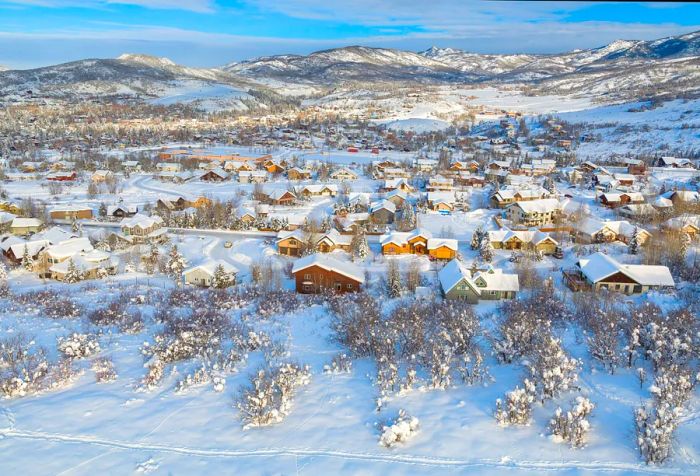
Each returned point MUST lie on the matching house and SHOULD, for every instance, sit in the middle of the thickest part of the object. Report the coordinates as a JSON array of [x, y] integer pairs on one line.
[[273, 167], [6, 220], [625, 180], [291, 243], [442, 248], [59, 252], [343, 174], [333, 240], [509, 195], [296, 173], [131, 165], [25, 226], [393, 173], [441, 201], [99, 176], [91, 265], [214, 175], [14, 250], [683, 198], [467, 179], [203, 274], [122, 211], [382, 212], [460, 166], [169, 167], [638, 211], [62, 176], [412, 242], [619, 199], [319, 190], [397, 184], [438, 183], [688, 224], [600, 271], [472, 285], [591, 230], [425, 165], [172, 204], [523, 240], [534, 212], [320, 272], [252, 176], [143, 228], [71, 213], [282, 197], [352, 222], [397, 197], [676, 163]]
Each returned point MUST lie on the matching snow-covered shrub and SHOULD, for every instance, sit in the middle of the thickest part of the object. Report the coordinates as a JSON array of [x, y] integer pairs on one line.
[[520, 330], [23, 367], [673, 385], [154, 374], [219, 384], [402, 429], [117, 314], [104, 370], [268, 398], [355, 320], [571, 426], [78, 346], [551, 370], [655, 426], [517, 407], [387, 375], [197, 378], [341, 363]]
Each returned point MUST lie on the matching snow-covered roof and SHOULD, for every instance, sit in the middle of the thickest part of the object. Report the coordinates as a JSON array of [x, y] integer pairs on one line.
[[33, 247], [543, 205], [526, 236], [401, 238], [329, 263], [54, 235], [599, 266], [210, 266], [590, 226], [141, 220], [25, 222], [385, 204], [69, 247], [492, 279], [435, 243]]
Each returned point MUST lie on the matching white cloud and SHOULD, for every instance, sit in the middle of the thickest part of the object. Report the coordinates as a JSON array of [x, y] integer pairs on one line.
[[200, 6]]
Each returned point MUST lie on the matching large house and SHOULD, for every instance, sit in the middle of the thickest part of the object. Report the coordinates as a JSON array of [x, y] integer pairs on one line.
[[517, 240], [25, 226], [143, 228], [318, 190], [71, 213], [600, 271], [203, 274], [619, 199], [459, 282], [412, 242], [688, 224], [91, 265], [291, 243], [320, 272], [534, 212], [442, 248], [510, 195], [591, 230]]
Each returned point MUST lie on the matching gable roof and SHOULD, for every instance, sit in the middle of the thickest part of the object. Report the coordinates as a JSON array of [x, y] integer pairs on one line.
[[328, 263], [210, 266], [599, 266], [494, 279]]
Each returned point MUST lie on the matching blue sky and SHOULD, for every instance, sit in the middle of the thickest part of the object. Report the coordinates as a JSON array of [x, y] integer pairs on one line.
[[214, 32]]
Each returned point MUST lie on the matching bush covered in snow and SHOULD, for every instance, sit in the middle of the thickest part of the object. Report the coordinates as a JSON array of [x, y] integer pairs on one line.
[[78, 346], [400, 430], [117, 314], [571, 426], [269, 397], [517, 407], [341, 363], [551, 370], [655, 426], [104, 370]]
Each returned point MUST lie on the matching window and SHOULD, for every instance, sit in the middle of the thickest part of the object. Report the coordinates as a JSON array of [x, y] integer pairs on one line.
[[349, 286], [338, 286], [307, 277], [308, 288]]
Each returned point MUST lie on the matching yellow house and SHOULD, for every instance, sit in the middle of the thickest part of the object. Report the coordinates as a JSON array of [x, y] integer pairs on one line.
[[442, 248]]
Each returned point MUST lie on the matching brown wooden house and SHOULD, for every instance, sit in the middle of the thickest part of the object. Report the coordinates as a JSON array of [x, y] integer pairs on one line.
[[319, 273]]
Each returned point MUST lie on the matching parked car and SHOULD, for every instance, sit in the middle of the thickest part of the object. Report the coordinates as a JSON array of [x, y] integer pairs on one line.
[[228, 244]]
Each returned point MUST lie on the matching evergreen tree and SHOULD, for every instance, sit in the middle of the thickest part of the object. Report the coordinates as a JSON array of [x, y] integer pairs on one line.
[[176, 264], [477, 237], [4, 288], [27, 260], [103, 210], [486, 251], [633, 245], [393, 279], [74, 274], [221, 278], [408, 217], [359, 245]]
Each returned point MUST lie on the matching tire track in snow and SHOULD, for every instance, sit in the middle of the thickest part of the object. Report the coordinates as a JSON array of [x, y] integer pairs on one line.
[[595, 466]]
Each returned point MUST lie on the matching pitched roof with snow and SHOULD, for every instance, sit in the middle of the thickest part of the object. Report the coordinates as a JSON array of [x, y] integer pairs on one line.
[[210, 266], [599, 266], [328, 263]]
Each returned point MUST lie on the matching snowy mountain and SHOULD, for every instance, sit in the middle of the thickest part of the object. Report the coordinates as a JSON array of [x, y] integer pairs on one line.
[[357, 63], [129, 75], [621, 70]]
